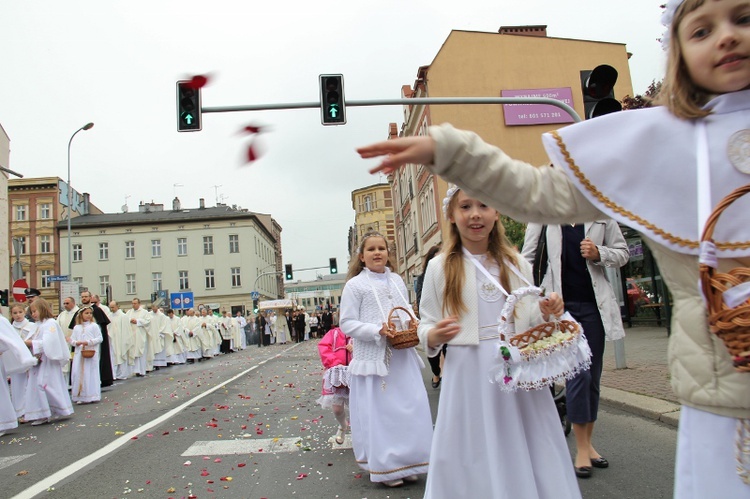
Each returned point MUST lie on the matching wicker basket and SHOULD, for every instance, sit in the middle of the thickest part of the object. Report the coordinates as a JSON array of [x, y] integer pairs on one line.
[[87, 354], [540, 356], [732, 325], [406, 338]]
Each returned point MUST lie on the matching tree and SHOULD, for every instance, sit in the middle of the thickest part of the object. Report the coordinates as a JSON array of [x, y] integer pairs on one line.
[[515, 231], [641, 101]]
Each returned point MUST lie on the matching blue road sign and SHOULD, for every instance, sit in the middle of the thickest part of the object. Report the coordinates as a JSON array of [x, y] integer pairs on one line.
[[254, 295], [181, 301], [57, 278]]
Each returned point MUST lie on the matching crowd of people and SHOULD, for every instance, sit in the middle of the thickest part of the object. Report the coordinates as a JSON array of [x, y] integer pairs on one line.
[[55, 363], [293, 325]]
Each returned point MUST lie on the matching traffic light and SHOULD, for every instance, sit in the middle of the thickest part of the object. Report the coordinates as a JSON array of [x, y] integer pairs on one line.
[[188, 107], [256, 308], [333, 266], [4, 297], [332, 105], [597, 86], [288, 272]]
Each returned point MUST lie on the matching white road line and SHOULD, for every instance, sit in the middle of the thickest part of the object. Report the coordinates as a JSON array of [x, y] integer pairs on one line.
[[75, 467], [243, 446], [10, 461]]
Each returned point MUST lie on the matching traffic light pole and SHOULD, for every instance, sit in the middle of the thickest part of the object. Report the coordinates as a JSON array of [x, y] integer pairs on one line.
[[401, 102]]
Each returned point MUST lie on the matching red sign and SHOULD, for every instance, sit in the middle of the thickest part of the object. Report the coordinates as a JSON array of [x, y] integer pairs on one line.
[[19, 288]]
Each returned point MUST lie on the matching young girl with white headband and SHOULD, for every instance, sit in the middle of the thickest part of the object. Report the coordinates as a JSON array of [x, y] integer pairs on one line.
[[660, 171], [488, 442]]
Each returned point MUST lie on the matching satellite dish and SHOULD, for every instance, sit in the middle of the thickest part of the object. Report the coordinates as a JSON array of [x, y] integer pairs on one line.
[[124, 208]]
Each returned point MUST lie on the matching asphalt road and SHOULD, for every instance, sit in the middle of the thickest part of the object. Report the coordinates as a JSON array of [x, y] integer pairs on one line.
[[246, 425]]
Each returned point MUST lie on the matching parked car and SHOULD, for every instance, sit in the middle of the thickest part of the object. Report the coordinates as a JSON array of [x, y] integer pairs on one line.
[[636, 296]]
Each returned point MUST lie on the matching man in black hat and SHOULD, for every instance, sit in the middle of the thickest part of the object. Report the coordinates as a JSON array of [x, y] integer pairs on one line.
[[31, 295]]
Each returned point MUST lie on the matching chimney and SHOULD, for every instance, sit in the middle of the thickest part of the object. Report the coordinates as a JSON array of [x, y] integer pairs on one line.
[[202, 204], [176, 204], [534, 30], [86, 203]]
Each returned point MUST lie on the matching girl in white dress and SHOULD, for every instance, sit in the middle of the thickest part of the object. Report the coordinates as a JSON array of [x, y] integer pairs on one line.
[[18, 381], [390, 415], [488, 443], [47, 391], [14, 358], [85, 379]]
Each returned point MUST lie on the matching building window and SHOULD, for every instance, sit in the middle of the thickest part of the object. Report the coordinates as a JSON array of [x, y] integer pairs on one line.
[[368, 203], [44, 278], [45, 245], [156, 281], [236, 277], [130, 284], [183, 275], [103, 251], [234, 243], [21, 244], [156, 248], [130, 249], [77, 253], [45, 211], [208, 245], [21, 213], [210, 283], [104, 285], [182, 246]]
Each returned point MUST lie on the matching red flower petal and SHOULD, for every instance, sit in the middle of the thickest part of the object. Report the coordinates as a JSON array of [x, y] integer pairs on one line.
[[198, 81]]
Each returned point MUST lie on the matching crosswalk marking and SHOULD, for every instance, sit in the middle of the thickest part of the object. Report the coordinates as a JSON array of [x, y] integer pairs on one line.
[[10, 461], [243, 446]]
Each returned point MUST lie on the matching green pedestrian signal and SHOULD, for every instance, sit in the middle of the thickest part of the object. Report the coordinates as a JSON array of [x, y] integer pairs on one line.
[[332, 105], [256, 308], [332, 265], [288, 272], [188, 107]]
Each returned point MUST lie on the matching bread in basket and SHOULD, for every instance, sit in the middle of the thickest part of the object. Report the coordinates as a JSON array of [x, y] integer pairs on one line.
[[402, 338], [542, 355]]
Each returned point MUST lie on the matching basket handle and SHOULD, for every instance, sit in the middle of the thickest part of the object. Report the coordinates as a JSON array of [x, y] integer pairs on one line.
[[708, 230], [393, 311]]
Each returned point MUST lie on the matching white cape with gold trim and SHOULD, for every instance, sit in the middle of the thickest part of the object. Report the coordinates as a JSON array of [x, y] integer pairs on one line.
[[640, 168]]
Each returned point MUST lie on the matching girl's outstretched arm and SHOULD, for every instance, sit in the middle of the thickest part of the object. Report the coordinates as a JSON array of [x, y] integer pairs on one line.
[[418, 150]]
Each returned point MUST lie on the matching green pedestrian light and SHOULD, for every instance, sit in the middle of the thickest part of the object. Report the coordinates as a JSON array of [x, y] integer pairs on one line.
[[188, 107], [332, 105]]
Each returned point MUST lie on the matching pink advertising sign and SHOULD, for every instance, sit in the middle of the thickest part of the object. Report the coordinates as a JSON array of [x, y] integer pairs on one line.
[[537, 114]]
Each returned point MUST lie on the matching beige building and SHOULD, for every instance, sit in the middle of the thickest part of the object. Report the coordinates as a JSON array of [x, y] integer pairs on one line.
[[318, 294], [373, 211], [475, 64], [37, 206], [217, 253]]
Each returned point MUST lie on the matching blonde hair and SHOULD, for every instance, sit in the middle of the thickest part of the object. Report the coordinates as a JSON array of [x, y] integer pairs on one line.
[[356, 264], [43, 307], [499, 248], [79, 315], [678, 92]]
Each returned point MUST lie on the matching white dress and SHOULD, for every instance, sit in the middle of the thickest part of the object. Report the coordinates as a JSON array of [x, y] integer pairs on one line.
[[15, 360], [18, 381], [488, 443], [47, 390], [389, 411], [85, 382]]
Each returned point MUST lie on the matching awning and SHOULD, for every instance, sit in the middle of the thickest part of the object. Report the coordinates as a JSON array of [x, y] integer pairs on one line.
[[276, 304]]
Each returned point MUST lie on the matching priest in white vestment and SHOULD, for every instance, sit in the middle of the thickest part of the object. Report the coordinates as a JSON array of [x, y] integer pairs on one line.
[[64, 318], [139, 320], [122, 341], [207, 334], [158, 336], [179, 344], [191, 327]]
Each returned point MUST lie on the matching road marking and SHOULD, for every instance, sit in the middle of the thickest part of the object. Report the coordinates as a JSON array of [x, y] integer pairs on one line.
[[243, 446], [10, 461], [46, 483]]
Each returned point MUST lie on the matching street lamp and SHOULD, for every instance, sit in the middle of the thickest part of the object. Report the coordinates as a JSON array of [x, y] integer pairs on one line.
[[87, 126]]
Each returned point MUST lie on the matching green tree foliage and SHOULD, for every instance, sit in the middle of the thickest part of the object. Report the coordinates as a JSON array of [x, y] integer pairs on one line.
[[515, 231]]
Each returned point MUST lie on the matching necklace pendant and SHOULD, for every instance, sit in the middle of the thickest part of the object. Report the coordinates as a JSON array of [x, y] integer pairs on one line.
[[738, 150]]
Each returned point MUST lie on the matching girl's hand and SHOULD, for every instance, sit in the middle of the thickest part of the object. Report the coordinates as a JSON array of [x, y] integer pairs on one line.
[[444, 331], [418, 150], [81, 343], [384, 331], [552, 305], [28, 343], [349, 348]]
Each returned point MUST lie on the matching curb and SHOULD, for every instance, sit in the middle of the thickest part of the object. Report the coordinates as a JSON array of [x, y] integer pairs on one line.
[[642, 405]]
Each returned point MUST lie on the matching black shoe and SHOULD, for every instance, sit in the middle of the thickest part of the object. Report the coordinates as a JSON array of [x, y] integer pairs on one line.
[[436, 384], [600, 462], [583, 472]]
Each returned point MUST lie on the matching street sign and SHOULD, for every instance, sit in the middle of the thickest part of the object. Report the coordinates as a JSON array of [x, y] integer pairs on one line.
[[181, 301], [19, 288], [254, 295], [57, 278]]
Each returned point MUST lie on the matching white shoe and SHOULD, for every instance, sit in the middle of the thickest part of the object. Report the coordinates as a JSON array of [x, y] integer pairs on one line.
[[411, 478], [39, 422], [340, 436], [393, 483], [2, 433]]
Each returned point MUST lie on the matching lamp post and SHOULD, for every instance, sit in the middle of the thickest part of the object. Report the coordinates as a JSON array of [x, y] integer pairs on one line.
[[87, 126]]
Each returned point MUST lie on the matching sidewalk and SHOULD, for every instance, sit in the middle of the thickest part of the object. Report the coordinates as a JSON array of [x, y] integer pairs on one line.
[[643, 387]]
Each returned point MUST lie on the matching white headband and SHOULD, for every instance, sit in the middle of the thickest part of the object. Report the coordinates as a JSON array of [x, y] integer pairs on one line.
[[666, 19], [452, 190]]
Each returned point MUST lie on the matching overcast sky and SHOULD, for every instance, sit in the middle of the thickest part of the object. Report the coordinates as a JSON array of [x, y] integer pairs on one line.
[[115, 63]]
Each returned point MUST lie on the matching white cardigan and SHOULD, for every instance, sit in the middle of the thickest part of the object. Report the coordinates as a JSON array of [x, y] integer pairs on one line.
[[527, 311]]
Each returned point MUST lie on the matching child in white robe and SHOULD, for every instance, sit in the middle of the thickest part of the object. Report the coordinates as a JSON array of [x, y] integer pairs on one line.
[[23, 328], [85, 378], [47, 391], [15, 359]]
